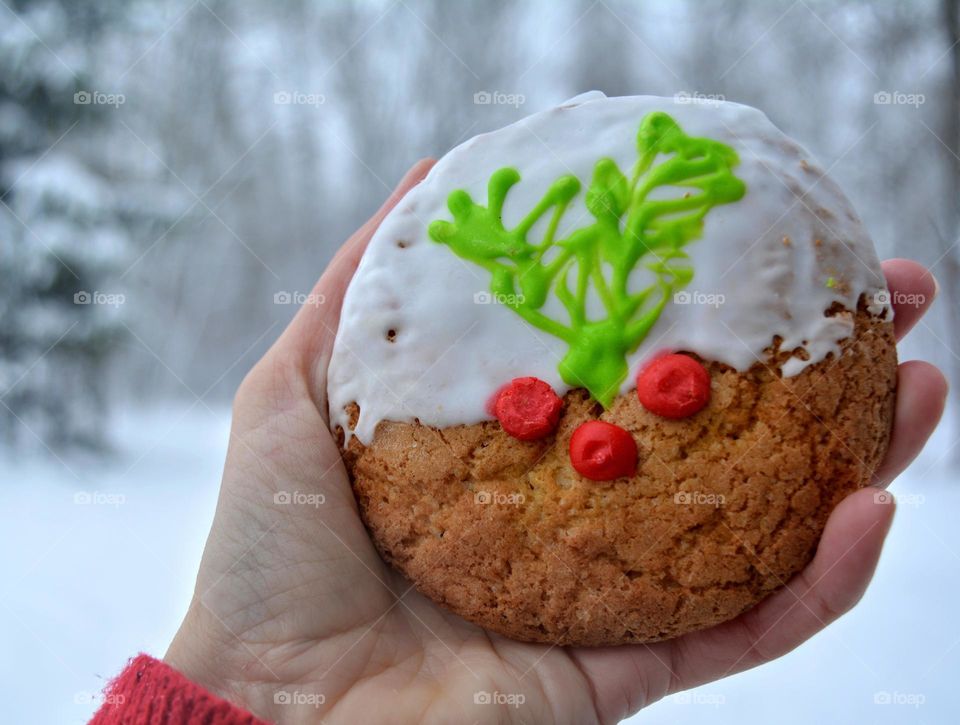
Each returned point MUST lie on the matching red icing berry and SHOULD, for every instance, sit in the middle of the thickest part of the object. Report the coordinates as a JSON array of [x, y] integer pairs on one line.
[[527, 408], [603, 451], [491, 405], [674, 386]]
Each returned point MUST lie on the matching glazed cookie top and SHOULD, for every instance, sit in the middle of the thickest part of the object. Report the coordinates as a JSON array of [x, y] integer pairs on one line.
[[576, 244]]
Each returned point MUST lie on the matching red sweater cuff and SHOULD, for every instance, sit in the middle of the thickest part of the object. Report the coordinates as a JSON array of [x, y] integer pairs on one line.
[[150, 692]]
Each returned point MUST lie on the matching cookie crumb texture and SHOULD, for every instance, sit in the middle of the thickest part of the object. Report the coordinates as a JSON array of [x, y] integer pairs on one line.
[[725, 507]]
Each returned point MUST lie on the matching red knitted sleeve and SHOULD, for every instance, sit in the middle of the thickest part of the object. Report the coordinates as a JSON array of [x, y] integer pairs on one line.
[[149, 692]]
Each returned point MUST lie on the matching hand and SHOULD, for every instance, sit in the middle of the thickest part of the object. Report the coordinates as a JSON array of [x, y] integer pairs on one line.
[[297, 619]]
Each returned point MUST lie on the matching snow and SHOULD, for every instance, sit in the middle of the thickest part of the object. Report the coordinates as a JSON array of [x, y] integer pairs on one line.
[[57, 178], [90, 584]]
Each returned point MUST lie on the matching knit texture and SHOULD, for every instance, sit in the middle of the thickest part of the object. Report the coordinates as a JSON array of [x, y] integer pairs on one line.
[[149, 692]]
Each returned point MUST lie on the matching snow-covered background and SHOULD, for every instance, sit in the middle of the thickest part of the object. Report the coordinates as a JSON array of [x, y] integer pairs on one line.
[[173, 175], [99, 560]]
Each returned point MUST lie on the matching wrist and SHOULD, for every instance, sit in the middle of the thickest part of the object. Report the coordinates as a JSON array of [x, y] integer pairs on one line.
[[201, 657], [209, 653]]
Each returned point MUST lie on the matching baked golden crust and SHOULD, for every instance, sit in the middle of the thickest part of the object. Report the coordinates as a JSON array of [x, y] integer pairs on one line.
[[725, 507]]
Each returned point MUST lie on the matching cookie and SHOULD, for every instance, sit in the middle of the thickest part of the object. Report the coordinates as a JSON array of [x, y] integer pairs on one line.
[[602, 376]]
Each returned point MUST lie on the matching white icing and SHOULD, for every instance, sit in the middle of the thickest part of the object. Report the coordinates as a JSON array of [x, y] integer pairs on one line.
[[449, 354]]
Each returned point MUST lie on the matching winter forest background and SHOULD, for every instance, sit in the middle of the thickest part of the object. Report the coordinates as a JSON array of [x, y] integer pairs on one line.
[[227, 148], [173, 174]]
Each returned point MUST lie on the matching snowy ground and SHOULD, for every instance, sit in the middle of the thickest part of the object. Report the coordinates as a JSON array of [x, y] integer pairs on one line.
[[100, 558]]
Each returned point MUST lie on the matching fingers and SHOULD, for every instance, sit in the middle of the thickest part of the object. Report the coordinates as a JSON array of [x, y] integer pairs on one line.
[[628, 678], [921, 397], [921, 388], [912, 290], [624, 679], [829, 587]]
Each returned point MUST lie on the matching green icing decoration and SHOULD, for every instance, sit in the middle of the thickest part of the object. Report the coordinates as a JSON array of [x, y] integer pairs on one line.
[[628, 227]]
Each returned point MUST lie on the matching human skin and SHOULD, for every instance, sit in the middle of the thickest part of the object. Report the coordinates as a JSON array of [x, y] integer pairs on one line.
[[293, 599]]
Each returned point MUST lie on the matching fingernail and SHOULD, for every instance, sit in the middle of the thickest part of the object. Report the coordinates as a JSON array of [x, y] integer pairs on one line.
[[411, 172]]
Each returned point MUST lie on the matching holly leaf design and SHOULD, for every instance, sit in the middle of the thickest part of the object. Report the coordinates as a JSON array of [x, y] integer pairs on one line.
[[631, 227]]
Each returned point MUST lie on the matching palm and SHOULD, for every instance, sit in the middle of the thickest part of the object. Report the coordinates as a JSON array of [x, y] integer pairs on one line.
[[292, 598]]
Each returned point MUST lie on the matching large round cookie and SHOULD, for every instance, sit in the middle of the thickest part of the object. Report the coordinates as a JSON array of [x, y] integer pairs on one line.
[[750, 261]]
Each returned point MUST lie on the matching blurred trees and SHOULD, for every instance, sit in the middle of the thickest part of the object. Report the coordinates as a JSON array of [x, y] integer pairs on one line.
[[950, 225], [63, 231], [255, 137]]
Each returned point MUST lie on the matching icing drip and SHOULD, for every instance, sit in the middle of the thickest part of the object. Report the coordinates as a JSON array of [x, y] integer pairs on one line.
[[767, 265]]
